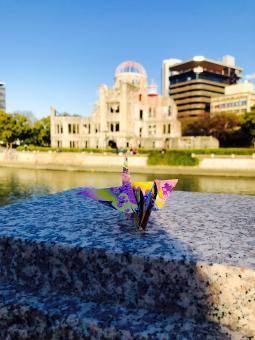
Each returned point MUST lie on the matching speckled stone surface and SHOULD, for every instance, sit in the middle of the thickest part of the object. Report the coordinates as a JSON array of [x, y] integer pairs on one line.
[[192, 226], [197, 258], [63, 317]]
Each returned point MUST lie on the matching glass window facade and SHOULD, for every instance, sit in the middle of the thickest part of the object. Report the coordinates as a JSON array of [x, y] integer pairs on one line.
[[231, 104], [191, 75]]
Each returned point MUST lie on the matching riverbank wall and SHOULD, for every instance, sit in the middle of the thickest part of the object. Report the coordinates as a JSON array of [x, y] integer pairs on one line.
[[81, 161]]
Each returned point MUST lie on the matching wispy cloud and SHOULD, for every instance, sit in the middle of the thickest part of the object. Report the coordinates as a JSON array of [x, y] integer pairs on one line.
[[250, 76]]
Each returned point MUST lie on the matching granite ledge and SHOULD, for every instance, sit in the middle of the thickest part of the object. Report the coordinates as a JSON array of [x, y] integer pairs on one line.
[[198, 253], [194, 227]]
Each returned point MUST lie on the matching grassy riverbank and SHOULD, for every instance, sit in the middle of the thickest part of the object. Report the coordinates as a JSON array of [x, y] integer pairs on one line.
[[186, 157], [220, 151], [45, 149]]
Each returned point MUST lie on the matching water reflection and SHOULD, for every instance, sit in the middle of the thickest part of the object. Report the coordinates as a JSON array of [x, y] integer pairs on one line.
[[17, 184]]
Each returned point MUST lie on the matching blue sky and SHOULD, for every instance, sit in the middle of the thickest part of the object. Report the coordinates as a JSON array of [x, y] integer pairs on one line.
[[58, 51]]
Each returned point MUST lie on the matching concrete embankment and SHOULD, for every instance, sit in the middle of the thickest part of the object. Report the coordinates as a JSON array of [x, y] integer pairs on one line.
[[209, 165]]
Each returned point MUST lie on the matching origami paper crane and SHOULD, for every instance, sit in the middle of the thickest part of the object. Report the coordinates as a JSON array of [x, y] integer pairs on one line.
[[135, 199]]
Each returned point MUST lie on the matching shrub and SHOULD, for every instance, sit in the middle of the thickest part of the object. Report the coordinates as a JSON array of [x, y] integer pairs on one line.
[[220, 151], [184, 157], [177, 158]]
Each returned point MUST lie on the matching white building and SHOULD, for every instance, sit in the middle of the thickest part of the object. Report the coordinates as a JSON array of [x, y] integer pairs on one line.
[[165, 74], [238, 99], [130, 114]]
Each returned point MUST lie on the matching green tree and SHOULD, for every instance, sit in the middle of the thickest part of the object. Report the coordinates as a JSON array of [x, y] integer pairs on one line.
[[248, 125], [196, 127], [41, 132], [226, 127], [14, 127]]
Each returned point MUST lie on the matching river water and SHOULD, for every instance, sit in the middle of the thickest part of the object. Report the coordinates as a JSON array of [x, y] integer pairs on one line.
[[19, 184]]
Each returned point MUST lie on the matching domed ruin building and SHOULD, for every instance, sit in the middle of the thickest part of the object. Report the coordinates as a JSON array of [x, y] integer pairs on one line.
[[129, 115]]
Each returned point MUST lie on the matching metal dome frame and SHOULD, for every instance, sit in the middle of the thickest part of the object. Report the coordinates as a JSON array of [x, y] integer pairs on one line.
[[130, 66]]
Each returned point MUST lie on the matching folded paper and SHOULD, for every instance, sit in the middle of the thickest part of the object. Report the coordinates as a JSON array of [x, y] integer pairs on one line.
[[135, 199]]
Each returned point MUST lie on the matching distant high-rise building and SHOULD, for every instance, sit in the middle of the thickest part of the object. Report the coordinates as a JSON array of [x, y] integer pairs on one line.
[[192, 83], [2, 96]]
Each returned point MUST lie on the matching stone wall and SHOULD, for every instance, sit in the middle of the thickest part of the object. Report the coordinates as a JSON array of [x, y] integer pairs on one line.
[[66, 159], [87, 161], [191, 142], [228, 163]]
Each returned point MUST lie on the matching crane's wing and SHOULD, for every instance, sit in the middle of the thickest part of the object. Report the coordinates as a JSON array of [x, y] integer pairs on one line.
[[144, 186], [120, 198], [164, 188]]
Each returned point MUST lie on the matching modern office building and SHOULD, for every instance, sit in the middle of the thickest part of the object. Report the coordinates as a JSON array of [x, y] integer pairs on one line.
[[193, 82], [238, 99], [2, 96], [130, 114]]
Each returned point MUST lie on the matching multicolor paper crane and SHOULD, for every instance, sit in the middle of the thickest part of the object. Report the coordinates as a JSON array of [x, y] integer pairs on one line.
[[135, 199]]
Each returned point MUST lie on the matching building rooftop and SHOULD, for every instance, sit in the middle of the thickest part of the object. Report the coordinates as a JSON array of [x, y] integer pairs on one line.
[[208, 63]]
